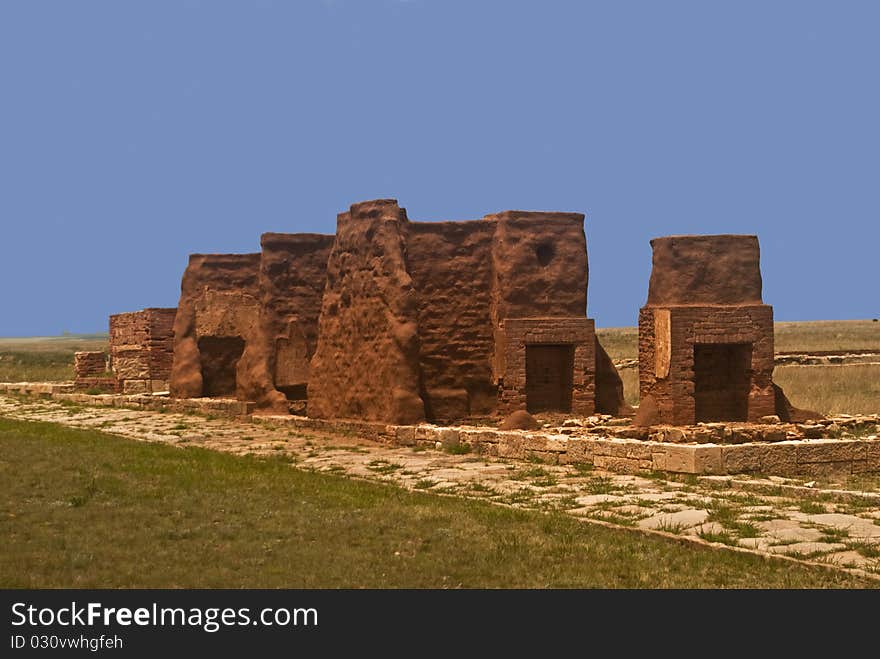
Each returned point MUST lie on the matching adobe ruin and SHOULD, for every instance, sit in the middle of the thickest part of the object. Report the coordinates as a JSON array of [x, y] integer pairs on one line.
[[246, 323], [399, 321], [449, 320], [706, 336]]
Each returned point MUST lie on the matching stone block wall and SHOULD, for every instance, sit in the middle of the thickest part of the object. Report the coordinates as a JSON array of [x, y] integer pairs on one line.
[[517, 334], [142, 349], [90, 372], [89, 364], [823, 457], [667, 340], [706, 337]]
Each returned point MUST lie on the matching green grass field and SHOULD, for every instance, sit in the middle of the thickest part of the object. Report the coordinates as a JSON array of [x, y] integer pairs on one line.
[[84, 509]]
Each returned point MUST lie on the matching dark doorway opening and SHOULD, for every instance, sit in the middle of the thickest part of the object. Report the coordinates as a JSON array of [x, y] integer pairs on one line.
[[549, 371], [220, 355], [294, 391], [722, 378]]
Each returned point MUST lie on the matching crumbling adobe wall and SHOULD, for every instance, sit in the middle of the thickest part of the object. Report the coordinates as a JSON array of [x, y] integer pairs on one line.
[[219, 312], [366, 364], [142, 349], [539, 261], [705, 270], [293, 270], [451, 267], [412, 316]]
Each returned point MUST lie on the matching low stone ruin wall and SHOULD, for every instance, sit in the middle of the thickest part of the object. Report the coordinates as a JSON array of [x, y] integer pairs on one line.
[[90, 372], [809, 457]]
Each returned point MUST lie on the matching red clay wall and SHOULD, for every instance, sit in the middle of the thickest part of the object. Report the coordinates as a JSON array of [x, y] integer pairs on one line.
[[293, 270], [366, 364], [539, 260], [694, 270], [219, 298], [412, 312], [451, 267], [519, 334], [410, 315], [541, 271]]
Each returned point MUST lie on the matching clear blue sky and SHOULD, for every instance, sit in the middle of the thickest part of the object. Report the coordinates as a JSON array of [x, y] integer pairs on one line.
[[135, 133]]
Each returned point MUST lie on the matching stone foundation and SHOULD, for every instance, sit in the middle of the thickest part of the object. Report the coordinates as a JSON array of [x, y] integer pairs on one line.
[[807, 457], [90, 372], [661, 452], [631, 456]]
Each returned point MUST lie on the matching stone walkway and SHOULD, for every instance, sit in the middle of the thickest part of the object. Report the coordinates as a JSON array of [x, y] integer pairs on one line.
[[762, 515]]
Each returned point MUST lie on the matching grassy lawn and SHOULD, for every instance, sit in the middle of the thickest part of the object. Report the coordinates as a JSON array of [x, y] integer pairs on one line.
[[85, 509]]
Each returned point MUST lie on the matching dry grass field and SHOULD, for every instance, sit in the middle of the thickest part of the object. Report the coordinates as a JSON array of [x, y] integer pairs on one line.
[[835, 389], [823, 335], [794, 336]]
